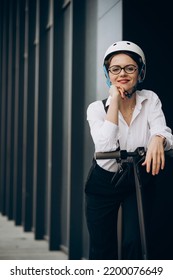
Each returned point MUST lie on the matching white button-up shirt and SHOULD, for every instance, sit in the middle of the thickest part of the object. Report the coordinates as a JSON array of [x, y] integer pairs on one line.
[[148, 120]]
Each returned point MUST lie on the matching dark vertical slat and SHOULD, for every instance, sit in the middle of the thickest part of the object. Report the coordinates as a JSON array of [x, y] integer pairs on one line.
[[10, 113], [77, 123], [18, 116], [56, 175], [42, 129], [4, 107], [28, 180]]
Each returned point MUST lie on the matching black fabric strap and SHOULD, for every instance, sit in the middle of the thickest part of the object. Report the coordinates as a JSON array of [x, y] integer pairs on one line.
[[104, 104]]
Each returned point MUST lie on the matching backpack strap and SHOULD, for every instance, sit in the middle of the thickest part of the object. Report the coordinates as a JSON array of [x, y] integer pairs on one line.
[[104, 104]]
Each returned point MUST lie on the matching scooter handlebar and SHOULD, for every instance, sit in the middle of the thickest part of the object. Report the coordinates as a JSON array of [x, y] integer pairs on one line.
[[123, 154]]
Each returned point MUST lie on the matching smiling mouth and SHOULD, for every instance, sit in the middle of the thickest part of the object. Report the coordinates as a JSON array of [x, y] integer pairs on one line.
[[123, 81]]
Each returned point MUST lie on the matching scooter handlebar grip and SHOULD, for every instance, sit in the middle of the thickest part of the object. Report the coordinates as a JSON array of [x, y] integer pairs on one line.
[[107, 155]]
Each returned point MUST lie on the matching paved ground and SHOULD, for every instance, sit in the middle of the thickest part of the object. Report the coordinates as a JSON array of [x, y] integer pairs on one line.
[[15, 244]]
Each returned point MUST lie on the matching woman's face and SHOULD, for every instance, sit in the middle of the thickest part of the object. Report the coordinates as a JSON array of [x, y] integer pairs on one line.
[[123, 79]]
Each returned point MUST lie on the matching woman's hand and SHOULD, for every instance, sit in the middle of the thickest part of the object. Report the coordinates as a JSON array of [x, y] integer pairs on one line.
[[117, 92], [155, 158]]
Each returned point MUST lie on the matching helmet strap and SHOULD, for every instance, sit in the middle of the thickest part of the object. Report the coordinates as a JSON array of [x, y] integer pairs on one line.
[[141, 74], [129, 94]]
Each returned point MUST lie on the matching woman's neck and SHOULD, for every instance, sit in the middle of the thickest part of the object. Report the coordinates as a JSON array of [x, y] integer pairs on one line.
[[128, 103]]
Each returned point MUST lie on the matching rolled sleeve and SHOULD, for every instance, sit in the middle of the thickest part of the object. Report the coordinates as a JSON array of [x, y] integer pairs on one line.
[[157, 123], [106, 139], [104, 135]]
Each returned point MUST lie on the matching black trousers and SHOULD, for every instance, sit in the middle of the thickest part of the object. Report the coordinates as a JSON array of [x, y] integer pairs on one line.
[[103, 198]]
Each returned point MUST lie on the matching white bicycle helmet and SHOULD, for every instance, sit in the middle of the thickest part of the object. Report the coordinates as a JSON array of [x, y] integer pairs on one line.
[[129, 47]]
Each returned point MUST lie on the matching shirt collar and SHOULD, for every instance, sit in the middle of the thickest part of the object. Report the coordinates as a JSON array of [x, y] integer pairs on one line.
[[140, 98]]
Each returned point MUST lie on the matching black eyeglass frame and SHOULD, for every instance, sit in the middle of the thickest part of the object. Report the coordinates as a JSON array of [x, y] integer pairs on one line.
[[124, 68]]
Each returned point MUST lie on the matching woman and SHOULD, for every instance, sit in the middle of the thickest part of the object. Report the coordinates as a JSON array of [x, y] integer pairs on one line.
[[131, 118]]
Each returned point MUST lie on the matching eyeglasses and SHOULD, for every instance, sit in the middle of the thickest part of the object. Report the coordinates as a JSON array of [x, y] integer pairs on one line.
[[129, 69]]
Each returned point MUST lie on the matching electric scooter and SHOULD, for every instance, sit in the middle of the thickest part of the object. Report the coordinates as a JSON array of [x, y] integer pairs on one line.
[[135, 157]]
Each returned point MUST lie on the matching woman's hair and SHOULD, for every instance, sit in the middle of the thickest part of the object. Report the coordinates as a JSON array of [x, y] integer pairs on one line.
[[134, 56]]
